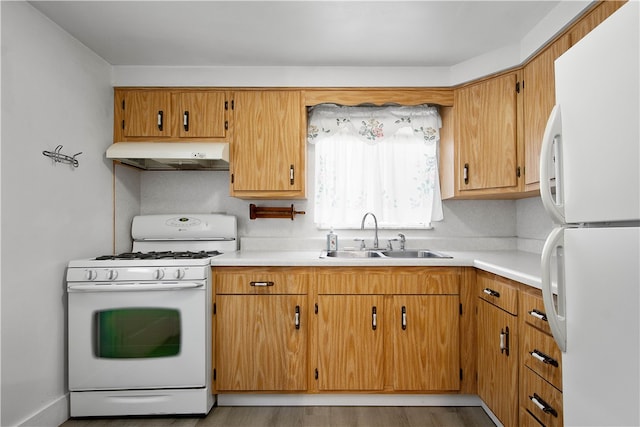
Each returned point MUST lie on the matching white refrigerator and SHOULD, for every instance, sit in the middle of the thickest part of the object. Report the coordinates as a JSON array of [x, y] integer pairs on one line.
[[590, 186]]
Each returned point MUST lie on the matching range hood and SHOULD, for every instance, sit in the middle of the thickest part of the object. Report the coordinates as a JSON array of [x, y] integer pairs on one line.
[[171, 155]]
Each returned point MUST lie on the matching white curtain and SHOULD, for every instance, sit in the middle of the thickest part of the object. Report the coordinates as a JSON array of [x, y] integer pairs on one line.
[[376, 159]]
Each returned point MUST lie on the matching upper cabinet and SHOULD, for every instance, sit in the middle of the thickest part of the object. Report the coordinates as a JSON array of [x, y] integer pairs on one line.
[[486, 136], [268, 146], [491, 138], [170, 114], [538, 89]]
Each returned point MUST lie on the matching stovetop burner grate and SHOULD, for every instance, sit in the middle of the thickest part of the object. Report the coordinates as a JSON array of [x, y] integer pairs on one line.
[[160, 255]]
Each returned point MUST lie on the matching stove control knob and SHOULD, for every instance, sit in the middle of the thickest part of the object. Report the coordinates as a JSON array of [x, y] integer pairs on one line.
[[90, 274], [179, 273], [158, 274], [112, 274]]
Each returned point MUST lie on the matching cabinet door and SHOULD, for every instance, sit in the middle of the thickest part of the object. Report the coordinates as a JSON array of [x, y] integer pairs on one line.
[[147, 113], [268, 143], [203, 114], [486, 134], [258, 345], [498, 362], [539, 99], [350, 342], [426, 342]]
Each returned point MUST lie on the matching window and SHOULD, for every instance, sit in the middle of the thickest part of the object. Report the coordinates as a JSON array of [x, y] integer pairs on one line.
[[376, 159]]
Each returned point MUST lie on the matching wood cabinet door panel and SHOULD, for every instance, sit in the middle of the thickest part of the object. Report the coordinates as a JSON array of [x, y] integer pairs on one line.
[[539, 99], [350, 349], [498, 369], [205, 114], [145, 110], [486, 115], [268, 141], [258, 346], [426, 342]]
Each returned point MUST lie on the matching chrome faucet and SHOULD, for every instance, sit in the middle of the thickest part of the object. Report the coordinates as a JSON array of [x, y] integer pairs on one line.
[[375, 221]]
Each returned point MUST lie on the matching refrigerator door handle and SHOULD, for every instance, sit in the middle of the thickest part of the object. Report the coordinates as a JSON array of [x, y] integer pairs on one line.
[[555, 316], [551, 156]]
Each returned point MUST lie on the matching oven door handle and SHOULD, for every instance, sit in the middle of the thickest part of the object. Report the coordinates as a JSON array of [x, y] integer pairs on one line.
[[130, 287]]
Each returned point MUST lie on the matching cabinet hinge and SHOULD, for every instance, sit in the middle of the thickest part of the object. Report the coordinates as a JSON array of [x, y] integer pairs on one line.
[[316, 374], [316, 308], [460, 374], [123, 104], [518, 172], [214, 308], [214, 374], [123, 124]]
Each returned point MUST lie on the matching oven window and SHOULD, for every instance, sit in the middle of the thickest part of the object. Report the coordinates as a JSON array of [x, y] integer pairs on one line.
[[129, 333]]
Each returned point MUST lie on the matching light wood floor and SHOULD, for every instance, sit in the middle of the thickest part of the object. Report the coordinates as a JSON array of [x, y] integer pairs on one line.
[[309, 416]]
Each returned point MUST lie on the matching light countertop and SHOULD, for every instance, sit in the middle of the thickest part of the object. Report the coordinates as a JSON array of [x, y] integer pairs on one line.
[[523, 267]]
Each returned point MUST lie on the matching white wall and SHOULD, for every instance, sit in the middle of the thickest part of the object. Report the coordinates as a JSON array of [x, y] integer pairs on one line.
[[488, 224], [512, 54], [54, 91]]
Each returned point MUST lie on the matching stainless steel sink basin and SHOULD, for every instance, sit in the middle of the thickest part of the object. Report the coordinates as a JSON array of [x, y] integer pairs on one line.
[[351, 254], [421, 253]]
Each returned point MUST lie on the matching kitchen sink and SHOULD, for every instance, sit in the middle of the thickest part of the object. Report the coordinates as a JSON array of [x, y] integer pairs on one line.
[[421, 253], [351, 254], [381, 253]]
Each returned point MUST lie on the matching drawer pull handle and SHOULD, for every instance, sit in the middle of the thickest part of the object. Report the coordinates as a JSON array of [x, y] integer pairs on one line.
[[374, 318], [404, 318], [160, 120], [260, 284], [544, 406], [297, 317], [491, 292], [544, 358], [538, 314]]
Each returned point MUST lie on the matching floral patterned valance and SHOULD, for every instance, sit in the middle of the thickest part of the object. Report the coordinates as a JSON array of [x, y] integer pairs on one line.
[[373, 124]]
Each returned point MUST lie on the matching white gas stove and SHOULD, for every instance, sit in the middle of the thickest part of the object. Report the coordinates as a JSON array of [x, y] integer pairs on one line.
[[140, 322]]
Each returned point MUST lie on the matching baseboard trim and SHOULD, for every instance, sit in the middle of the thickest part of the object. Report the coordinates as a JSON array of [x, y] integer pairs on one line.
[[54, 414], [348, 400]]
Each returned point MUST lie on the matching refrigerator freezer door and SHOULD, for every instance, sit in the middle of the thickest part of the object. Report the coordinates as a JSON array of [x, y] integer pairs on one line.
[[597, 88], [601, 366]]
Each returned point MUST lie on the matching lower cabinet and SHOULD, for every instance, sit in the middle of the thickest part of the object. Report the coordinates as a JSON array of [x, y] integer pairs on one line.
[[261, 329], [393, 329], [497, 325], [541, 366]]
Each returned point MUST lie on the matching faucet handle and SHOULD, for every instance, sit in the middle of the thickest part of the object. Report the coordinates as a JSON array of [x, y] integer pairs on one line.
[[362, 244], [403, 239], [390, 245]]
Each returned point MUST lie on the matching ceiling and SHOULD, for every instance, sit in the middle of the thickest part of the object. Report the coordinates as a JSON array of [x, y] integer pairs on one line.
[[295, 33]]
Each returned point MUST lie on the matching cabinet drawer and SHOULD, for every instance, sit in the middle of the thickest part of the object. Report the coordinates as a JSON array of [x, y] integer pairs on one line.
[[541, 354], [260, 281], [541, 399], [533, 311], [528, 420], [498, 291]]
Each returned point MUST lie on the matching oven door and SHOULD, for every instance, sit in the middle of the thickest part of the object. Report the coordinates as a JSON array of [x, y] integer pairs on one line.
[[121, 337]]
